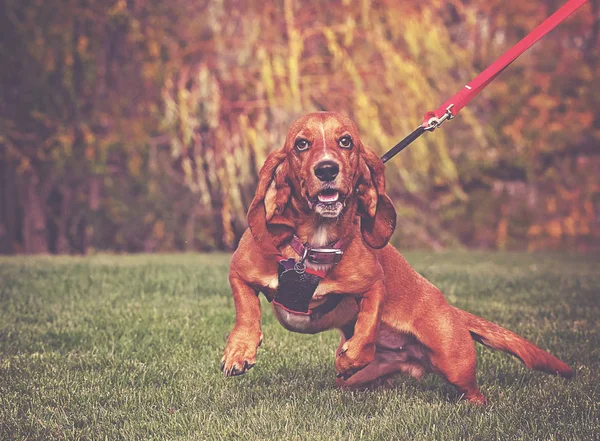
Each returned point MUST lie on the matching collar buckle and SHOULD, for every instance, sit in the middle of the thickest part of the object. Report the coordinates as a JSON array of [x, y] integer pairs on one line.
[[324, 256]]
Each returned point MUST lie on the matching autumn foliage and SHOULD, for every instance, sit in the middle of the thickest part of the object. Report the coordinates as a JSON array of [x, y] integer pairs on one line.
[[141, 125]]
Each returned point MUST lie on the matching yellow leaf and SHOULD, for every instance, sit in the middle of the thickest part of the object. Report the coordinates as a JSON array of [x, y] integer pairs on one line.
[[554, 229], [159, 229], [569, 226], [119, 6], [551, 205], [82, 44], [153, 48], [135, 164], [89, 153], [24, 165]]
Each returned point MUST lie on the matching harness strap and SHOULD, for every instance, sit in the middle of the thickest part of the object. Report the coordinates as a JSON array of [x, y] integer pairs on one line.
[[297, 245], [329, 305]]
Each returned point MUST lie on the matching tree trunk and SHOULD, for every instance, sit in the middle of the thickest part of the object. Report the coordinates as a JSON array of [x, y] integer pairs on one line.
[[93, 206], [35, 235], [8, 207], [190, 228], [62, 241]]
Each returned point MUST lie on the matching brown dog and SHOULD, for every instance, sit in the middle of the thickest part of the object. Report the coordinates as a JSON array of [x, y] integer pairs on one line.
[[324, 187]]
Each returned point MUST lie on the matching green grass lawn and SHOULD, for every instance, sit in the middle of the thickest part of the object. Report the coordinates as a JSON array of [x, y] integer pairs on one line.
[[129, 347]]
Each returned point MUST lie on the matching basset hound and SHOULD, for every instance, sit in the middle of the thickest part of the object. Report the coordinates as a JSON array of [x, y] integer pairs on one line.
[[317, 247]]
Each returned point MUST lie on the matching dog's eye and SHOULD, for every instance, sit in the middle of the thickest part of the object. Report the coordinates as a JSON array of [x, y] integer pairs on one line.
[[301, 144], [345, 142]]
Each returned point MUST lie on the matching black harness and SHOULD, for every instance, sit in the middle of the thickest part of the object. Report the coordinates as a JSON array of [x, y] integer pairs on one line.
[[297, 283]]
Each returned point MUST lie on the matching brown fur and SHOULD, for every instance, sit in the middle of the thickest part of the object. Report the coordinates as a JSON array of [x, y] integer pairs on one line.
[[391, 318]]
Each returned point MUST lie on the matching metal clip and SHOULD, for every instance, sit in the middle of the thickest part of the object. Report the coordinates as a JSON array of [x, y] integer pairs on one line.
[[300, 267], [434, 122]]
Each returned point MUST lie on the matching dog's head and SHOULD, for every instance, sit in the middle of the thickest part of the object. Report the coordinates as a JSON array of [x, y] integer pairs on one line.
[[323, 169]]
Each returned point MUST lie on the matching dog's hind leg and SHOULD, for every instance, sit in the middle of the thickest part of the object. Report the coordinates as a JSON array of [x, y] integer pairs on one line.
[[459, 370], [396, 353], [383, 365], [450, 350], [379, 367], [451, 353]]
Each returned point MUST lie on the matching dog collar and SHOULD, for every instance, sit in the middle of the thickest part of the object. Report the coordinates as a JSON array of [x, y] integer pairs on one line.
[[318, 256]]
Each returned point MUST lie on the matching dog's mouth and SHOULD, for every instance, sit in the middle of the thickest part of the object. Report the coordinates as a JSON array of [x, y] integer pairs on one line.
[[327, 203], [328, 196]]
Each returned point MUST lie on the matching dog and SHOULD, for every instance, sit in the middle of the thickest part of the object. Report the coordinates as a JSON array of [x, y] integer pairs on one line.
[[324, 188]]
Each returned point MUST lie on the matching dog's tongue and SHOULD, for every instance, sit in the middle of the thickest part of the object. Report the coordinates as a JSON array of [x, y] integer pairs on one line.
[[328, 196]]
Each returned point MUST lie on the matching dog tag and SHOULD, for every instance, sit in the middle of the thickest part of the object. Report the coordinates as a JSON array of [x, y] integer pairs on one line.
[[296, 286]]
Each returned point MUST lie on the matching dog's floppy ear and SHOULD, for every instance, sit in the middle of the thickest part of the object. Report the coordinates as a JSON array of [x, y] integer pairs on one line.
[[378, 216], [267, 216]]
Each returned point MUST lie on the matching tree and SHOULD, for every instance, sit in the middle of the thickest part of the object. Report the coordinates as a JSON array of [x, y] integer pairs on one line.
[[139, 125]]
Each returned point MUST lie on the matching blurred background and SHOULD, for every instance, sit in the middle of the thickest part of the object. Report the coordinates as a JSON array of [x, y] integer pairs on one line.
[[140, 125]]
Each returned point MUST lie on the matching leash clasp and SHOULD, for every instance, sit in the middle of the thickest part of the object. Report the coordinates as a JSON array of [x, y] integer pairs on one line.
[[434, 122], [300, 266]]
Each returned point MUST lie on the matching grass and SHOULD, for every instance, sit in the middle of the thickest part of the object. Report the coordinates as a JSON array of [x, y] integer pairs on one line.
[[128, 347]]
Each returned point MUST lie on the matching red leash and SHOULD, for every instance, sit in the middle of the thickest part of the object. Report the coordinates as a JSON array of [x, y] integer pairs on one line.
[[433, 119]]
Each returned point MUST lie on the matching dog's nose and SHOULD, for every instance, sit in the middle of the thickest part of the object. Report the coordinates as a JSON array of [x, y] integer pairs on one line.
[[326, 171]]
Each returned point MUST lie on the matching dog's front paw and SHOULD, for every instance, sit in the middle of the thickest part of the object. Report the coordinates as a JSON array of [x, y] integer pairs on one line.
[[240, 353], [352, 357]]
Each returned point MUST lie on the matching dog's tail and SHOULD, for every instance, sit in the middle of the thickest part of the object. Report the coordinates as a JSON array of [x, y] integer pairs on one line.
[[496, 337]]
